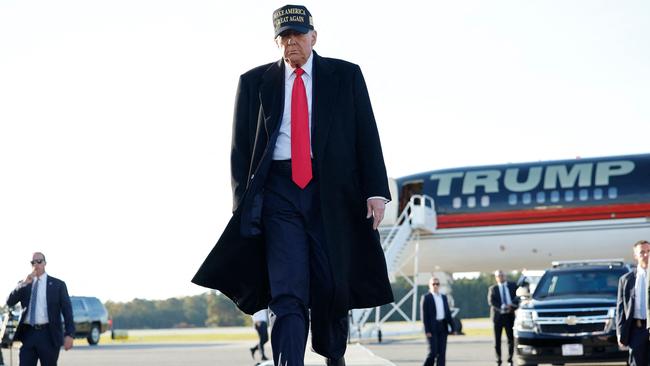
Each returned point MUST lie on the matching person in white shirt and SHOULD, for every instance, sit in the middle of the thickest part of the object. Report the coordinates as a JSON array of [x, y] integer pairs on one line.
[[261, 323], [438, 323], [309, 191], [632, 307], [44, 300], [503, 302]]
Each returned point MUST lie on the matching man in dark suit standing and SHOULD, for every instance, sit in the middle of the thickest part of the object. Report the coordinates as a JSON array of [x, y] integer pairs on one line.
[[43, 299], [503, 303], [436, 317], [309, 187], [632, 307]]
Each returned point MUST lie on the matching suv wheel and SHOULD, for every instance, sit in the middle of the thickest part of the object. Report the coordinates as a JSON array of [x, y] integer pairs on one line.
[[93, 336]]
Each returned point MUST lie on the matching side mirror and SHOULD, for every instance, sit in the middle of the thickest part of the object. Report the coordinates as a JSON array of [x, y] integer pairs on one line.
[[523, 292]]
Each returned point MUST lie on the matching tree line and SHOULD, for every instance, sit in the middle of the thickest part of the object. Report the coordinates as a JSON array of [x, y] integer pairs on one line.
[[213, 309]]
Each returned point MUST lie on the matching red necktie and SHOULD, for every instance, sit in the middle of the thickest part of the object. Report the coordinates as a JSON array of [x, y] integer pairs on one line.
[[300, 151]]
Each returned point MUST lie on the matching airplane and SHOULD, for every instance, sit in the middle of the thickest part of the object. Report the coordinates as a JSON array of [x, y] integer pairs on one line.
[[526, 215]]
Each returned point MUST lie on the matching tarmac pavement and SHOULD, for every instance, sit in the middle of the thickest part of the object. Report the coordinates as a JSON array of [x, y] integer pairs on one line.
[[403, 345]]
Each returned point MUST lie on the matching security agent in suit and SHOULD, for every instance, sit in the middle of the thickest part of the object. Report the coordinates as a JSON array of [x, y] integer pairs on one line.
[[436, 317], [631, 308], [43, 299], [503, 303], [307, 248]]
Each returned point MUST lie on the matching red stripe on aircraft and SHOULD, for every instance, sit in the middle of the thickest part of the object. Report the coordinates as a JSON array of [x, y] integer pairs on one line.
[[543, 215]]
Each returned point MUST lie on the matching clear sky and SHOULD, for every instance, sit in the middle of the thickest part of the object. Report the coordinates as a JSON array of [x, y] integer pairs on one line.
[[115, 116]]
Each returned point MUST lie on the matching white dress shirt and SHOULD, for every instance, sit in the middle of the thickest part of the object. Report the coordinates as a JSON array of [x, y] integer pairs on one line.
[[41, 300], [261, 316], [440, 307], [283, 144], [639, 288]]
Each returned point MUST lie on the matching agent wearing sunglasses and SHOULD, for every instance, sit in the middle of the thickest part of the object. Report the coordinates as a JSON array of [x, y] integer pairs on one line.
[[43, 299], [436, 317]]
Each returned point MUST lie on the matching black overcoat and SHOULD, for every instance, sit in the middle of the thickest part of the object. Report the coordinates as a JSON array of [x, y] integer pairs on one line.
[[349, 165]]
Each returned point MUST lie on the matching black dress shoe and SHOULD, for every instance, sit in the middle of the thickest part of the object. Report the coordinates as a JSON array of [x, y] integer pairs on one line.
[[253, 352], [333, 362]]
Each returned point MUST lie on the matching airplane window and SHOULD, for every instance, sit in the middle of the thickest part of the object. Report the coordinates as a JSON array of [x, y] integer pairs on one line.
[[568, 196], [541, 197], [598, 193], [555, 196], [526, 198], [612, 192], [485, 201], [456, 202], [583, 194], [471, 201], [512, 198]]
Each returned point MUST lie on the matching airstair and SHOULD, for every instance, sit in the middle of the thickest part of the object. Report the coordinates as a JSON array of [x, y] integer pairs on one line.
[[400, 244]]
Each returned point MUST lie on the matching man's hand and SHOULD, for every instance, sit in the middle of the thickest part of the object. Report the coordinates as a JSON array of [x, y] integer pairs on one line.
[[67, 343], [376, 207], [429, 335], [29, 278]]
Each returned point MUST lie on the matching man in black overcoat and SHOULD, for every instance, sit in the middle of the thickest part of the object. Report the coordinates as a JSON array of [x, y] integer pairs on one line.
[[307, 202], [503, 303]]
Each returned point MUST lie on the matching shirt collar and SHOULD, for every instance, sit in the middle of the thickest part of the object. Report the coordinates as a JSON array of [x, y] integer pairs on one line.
[[42, 277], [307, 67], [640, 271]]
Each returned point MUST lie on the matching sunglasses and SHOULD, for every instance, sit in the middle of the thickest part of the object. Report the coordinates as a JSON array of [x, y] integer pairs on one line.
[[436, 283], [39, 261]]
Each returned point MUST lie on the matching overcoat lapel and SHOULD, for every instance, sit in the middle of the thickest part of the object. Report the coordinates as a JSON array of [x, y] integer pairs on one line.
[[272, 101], [325, 86]]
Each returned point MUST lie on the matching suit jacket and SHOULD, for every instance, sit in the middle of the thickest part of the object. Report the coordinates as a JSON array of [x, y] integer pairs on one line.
[[58, 303], [348, 162], [494, 299], [428, 311], [625, 306]]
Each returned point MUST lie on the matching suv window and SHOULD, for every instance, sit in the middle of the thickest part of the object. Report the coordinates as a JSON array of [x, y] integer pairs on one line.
[[77, 305], [580, 282], [95, 306]]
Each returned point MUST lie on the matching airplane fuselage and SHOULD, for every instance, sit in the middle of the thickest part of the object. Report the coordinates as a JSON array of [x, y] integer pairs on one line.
[[526, 215]]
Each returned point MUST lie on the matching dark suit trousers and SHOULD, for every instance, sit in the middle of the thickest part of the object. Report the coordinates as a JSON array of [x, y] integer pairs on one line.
[[501, 322], [437, 345], [299, 271], [38, 345], [639, 348], [263, 334]]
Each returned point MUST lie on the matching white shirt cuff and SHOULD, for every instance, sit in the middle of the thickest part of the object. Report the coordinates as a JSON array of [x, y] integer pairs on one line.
[[378, 198]]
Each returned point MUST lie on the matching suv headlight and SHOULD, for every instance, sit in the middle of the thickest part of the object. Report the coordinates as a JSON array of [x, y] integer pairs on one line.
[[525, 319], [611, 321]]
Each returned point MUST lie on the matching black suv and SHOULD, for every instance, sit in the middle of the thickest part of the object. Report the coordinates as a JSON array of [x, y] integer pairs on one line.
[[570, 317], [90, 318]]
